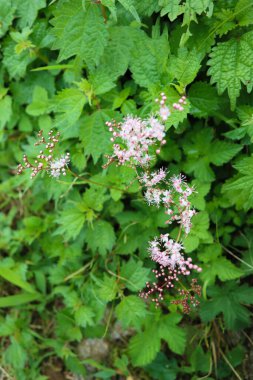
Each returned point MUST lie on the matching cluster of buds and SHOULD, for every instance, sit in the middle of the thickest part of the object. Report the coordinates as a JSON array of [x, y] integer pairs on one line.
[[189, 297], [179, 106], [45, 160]]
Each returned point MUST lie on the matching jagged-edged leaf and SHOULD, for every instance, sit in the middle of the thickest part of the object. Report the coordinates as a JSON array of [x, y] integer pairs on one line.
[[227, 300], [79, 32], [94, 134], [68, 105], [71, 222], [135, 274], [131, 310], [100, 237], [129, 6], [168, 330], [231, 64], [144, 346], [179, 65], [14, 63], [28, 10], [7, 11]]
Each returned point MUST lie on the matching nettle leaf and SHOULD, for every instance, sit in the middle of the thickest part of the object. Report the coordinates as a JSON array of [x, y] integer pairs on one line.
[[7, 11], [129, 6], [116, 57], [231, 64], [204, 99], [28, 10], [130, 311], [217, 266], [145, 62], [14, 63], [179, 67], [100, 237], [71, 222], [227, 300], [144, 346], [168, 330], [135, 274], [68, 105], [79, 32], [94, 134], [240, 187]]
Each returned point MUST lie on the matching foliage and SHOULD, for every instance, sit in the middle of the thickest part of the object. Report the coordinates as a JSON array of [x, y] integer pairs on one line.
[[74, 250]]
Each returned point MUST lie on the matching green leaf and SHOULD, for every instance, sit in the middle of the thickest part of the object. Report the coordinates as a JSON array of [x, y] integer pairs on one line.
[[227, 300], [15, 278], [144, 346], [16, 355], [130, 311], [7, 11], [240, 187], [135, 273], [71, 222], [217, 266], [175, 336], [129, 6], [100, 237], [94, 134], [204, 99], [79, 32], [39, 103], [172, 8], [84, 316], [179, 65], [231, 64], [19, 299], [28, 10], [14, 63], [108, 288], [5, 111], [199, 232], [68, 105]]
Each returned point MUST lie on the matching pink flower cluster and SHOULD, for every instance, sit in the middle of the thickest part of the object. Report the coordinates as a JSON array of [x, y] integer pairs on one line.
[[174, 197], [134, 137]]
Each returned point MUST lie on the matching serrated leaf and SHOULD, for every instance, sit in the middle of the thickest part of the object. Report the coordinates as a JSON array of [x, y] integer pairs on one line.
[[144, 346], [79, 32], [71, 222], [14, 63], [135, 274], [130, 311], [84, 316], [179, 65], [7, 10], [28, 10], [68, 105], [108, 288], [231, 63], [94, 134], [100, 237], [168, 330], [129, 6], [227, 300]]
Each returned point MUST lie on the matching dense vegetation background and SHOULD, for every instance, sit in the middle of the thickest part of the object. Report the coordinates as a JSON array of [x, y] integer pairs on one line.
[[74, 251]]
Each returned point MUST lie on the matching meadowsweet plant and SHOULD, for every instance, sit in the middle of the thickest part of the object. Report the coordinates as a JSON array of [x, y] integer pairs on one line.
[[46, 159], [132, 140]]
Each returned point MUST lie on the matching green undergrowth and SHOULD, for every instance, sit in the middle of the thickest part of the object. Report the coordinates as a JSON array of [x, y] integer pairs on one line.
[[74, 251]]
